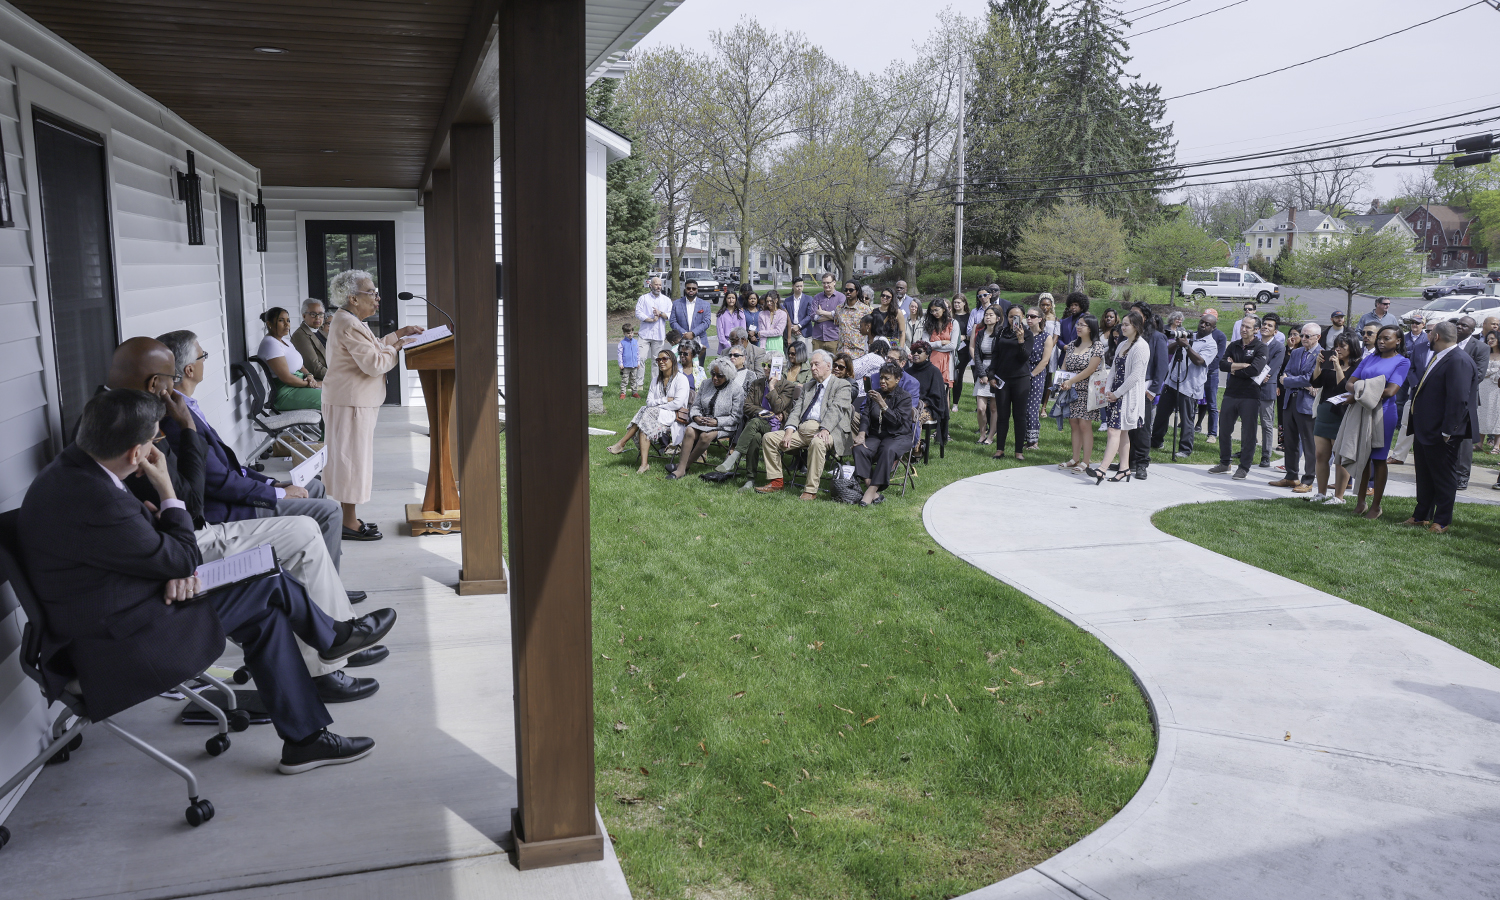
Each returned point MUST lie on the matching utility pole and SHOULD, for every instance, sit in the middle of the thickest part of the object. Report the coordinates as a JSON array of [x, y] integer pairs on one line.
[[958, 206]]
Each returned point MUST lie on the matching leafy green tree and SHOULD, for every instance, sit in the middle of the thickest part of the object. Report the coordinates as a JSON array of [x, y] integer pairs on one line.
[[1261, 266], [630, 212], [1485, 232], [1166, 251], [1458, 187], [1367, 263], [1079, 241], [1282, 264]]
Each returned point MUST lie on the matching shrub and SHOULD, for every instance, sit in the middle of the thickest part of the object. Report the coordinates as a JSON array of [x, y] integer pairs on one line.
[[991, 262], [1098, 289], [1030, 284], [940, 280]]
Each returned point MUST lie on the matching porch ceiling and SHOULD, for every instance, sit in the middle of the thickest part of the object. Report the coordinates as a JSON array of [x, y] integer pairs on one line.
[[366, 79]]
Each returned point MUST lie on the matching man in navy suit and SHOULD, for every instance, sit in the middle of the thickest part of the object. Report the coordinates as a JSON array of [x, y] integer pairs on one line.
[[691, 315], [1443, 415], [799, 312], [118, 578]]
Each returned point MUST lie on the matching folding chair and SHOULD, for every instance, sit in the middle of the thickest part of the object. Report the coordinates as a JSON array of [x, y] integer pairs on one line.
[[941, 428], [908, 459], [295, 429], [68, 737]]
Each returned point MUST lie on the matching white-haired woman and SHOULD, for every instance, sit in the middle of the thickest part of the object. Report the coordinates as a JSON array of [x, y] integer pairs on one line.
[[353, 393]]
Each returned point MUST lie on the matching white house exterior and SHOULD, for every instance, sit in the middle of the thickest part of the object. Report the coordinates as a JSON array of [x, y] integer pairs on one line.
[[158, 282], [1302, 227]]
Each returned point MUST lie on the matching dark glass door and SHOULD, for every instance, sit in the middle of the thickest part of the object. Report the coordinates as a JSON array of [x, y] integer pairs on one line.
[[71, 176], [337, 246], [234, 279]]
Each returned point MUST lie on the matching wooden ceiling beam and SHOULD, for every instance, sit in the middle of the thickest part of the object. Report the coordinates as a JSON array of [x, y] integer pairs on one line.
[[479, 41]]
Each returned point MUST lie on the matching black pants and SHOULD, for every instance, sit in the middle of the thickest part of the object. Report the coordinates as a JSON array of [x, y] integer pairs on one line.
[[962, 366], [1140, 439], [1437, 482], [1301, 451], [1247, 411], [1172, 401], [1463, 462], [265, 617], [1010, 400], [876, 457]]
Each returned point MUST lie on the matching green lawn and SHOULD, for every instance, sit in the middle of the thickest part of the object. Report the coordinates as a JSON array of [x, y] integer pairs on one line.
[[793, 699], [1438, 584]]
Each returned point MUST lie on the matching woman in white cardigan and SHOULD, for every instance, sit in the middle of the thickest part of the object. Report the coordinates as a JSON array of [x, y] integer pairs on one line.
[[659, 419], [353, 392], [1126, 397]]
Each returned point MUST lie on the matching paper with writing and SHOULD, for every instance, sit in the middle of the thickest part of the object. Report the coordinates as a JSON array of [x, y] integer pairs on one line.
[[428, 336], [305, 471], [244, 566]]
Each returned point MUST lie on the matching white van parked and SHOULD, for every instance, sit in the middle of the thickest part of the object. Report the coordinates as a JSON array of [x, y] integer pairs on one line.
[[1229, 283]]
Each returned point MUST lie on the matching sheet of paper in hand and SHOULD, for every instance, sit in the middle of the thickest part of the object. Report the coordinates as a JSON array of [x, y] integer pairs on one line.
[[309, 468], [257, 562]]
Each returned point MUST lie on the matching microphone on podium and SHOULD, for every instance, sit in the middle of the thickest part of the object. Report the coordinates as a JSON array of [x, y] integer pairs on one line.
[[408, 295]]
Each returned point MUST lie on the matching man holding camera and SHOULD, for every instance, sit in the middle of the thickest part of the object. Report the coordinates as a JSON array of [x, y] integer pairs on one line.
[[1187, 375]]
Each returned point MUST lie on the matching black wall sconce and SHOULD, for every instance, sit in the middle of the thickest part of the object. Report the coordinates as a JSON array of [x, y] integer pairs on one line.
[[258, 217], [7, 215], [190, 189]]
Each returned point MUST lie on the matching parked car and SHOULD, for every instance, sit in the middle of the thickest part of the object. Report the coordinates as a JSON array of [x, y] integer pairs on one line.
[[1229, 283], [1455, 284], [1456, 306], [646, 282], [708, 285]]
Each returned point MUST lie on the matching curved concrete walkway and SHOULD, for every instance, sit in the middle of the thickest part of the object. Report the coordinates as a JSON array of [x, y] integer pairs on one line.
[[1307, 747]]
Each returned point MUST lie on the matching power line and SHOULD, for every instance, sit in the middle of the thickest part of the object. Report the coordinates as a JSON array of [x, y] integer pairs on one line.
[[1328, 55], [1189, 19], [1147, 6], [1164, 9]]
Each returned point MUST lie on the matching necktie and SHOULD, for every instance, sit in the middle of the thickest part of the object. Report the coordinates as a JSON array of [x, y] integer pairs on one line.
[[807, 410]]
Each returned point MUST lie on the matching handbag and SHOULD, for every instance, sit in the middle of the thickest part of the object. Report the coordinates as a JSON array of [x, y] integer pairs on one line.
[[844, 487], [1098, 384]]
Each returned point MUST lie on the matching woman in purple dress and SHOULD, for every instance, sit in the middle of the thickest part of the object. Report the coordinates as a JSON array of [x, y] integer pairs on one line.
[[1388, 363]]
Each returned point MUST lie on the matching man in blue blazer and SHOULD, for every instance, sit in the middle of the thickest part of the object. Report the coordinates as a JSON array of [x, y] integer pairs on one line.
[[1443, 415], [1300, 412], [692, 314], [799, 312], [126, 612]]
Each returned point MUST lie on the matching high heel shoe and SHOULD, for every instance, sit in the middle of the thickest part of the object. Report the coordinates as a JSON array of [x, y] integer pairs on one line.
[[1122, 476], [1094, 473]]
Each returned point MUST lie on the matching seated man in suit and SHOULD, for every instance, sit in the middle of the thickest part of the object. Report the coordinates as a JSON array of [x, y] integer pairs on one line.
[[309, 341], [232, 492], [119, 579], [820, 420], [1443, 415], [143, 363]]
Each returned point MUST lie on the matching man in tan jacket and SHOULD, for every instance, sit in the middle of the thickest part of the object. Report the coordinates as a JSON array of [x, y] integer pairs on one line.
[[822, 419], [310, 340]]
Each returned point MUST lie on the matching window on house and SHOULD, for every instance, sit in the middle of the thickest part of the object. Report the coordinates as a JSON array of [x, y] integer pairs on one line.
[[1283, 242]]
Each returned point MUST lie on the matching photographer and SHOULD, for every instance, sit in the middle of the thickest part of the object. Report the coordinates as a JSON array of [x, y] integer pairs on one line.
[[1187, 374]]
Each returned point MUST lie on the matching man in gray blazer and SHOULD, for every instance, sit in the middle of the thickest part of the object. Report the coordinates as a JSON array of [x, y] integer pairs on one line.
[[822, 419], [309, 341], [1473, 346]]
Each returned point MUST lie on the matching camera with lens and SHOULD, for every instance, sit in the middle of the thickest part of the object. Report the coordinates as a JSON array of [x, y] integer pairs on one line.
[[1177, 334]]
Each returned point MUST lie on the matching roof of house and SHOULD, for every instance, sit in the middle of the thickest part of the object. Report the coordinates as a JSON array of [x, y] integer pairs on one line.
[[1308, 220], [1372, 222], [1451, 217]]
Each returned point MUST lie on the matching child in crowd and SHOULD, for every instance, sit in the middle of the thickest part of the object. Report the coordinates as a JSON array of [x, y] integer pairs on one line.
[[628, 355], [674, 342]]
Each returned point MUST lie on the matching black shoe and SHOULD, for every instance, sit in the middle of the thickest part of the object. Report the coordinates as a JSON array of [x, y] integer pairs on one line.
[[1265, 464], [357, 596], [368, 656], [328, 750], [365, 532], [1241, 473], [337, 687], [1463, 486], [1140, 474], [368, 630], [1220, 469]]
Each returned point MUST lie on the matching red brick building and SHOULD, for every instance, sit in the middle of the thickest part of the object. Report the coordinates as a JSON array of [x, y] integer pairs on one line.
[[1443, 232]]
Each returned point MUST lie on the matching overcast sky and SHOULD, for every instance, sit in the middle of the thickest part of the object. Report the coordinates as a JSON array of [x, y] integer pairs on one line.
[[1404, 79]]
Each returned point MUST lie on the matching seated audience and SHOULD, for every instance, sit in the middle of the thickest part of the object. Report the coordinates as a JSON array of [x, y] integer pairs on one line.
[[740, 338], [310, 340], [932, 388], [715, 412], [868, 365], [819, 421], [886, 434], [657, 420], [127, 615], [901, 356], [768, 399], [294, 387], [690, 364]]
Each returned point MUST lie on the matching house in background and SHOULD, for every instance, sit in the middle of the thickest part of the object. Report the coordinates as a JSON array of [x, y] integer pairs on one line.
[[1301, 228], [1444, 235], [1381, 223]]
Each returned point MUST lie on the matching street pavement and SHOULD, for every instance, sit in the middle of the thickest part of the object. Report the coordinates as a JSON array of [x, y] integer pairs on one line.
[[1323, 302]]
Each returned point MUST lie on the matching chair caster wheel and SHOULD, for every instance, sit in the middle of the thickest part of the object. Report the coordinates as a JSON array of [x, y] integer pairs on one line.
[[241, 675], [239, 720], [4, 836], [217, 744], [75, 743], [198, 812], [60, 756]]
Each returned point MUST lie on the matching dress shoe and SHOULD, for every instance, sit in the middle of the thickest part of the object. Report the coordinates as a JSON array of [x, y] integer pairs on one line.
[[1140, 474], [1438, 529], [771, 487], [357, 596], [1463, 486], [1302, 489], [1265, 464], [365, 532], [338, 687], [806, 496], [368, 630], [1283, 482], [328, 750], [368, 656], [1413, 521]]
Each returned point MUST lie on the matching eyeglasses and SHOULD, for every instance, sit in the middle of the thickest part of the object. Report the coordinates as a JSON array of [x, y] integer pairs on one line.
[[736, 356], [1033, 316], [664, 360], [316, 315], [202, 356], [375, 294]]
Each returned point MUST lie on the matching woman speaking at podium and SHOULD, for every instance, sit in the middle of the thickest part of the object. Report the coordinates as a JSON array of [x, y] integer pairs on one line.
[[353, 392]]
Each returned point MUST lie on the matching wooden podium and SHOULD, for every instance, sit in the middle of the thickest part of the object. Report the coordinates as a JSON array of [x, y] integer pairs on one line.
[[438, 512]]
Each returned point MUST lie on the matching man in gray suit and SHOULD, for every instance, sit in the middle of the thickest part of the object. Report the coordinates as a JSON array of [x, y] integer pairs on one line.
[[822, 419], [1475, 348], [309, 341]]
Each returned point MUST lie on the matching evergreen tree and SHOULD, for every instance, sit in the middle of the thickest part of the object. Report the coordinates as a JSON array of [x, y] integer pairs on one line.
[[630, 213]]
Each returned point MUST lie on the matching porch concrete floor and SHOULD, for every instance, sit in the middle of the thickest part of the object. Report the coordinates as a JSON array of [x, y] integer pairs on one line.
[[424, 816]]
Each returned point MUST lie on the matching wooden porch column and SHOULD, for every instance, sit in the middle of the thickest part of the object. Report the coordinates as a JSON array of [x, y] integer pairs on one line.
[[543, 239], [471, 151]]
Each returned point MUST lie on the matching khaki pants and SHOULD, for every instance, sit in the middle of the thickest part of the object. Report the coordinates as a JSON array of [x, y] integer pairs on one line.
[[830, 346], [299, 547], [817, 452]]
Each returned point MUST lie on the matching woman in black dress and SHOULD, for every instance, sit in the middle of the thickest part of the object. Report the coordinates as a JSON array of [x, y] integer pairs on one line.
[[886, 433], [960, 311], [1010, 379]]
